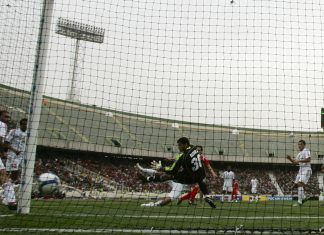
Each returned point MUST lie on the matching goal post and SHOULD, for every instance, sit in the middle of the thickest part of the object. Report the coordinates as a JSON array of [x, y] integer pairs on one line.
[[35, 107]]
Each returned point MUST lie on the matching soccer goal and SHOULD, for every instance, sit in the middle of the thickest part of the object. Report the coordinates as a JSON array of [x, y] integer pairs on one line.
[[161, 117]]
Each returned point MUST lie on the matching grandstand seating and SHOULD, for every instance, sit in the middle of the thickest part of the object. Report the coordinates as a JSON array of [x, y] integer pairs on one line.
[[84, 124]]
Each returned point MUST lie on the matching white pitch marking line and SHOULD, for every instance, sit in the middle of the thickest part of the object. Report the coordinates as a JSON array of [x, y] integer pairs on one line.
[[182, 217], [141, 231], [6, 215]]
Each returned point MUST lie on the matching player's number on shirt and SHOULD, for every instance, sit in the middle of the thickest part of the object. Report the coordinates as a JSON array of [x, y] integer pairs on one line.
[[196, 164]]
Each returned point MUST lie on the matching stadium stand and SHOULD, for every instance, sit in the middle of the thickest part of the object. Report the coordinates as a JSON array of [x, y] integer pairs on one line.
[[82, 127], [65, 125]]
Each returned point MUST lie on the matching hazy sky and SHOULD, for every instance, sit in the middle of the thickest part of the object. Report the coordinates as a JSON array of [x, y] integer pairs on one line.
[[255, 64]]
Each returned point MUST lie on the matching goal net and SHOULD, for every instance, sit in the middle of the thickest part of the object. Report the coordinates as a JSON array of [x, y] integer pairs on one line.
[[109, 88]]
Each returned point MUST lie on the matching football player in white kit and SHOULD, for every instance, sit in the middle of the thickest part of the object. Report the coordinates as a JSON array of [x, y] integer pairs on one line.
[[254, 187], [17, 140], [228, 177], [9, 197], [302, 159]]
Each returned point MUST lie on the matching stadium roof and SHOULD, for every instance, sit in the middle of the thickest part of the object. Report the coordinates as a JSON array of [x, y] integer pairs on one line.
[[65, 124]]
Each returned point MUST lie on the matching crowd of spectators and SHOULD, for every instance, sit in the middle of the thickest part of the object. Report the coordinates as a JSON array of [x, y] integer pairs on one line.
[[112, 173]]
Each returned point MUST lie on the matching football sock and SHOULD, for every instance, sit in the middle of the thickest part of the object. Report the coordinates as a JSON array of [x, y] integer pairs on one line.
[[300, 194], [193, 193], [185, 197]]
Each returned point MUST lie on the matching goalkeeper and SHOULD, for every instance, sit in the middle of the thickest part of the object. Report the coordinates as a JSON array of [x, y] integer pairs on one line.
[[161, 174], [186, 170]]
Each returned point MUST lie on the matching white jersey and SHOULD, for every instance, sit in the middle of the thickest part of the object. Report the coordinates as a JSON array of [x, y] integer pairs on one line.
[[305, 170], [3, 130], [228, 178], [304, 154], [254, 183], [17, 139]]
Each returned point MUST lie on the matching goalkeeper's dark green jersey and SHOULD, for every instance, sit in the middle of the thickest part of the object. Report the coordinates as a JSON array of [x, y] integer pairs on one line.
[[188, 169]]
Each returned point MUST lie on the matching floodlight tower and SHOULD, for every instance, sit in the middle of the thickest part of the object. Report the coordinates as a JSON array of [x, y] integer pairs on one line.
[[78, 31]]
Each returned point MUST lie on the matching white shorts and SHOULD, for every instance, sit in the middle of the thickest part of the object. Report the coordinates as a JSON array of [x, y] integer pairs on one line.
[[303, 175], [177, 190], [227, 188], [2, 166], [13, 163], [254, 190]]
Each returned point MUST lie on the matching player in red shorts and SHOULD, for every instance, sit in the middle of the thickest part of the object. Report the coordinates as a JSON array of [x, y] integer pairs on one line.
[[235, 191], [192, 194]]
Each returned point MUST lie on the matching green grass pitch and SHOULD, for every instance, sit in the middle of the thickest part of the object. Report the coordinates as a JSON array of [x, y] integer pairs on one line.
[[116, 216]]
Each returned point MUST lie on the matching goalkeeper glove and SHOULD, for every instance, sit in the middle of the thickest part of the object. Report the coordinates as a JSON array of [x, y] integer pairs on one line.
[[156, 165]]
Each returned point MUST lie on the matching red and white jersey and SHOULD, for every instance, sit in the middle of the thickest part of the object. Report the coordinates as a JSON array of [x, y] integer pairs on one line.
[[204, 160]]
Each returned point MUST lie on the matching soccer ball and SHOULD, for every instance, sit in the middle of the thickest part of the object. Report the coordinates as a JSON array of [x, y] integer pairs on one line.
[[48, 183]]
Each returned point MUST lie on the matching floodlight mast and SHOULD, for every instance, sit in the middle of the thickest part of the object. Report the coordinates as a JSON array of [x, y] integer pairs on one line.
[[78, 31]]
